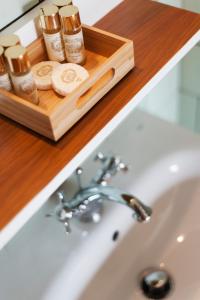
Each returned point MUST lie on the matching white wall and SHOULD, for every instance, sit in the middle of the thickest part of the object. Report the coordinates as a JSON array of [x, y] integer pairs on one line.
[[93, 10], [10, 10]]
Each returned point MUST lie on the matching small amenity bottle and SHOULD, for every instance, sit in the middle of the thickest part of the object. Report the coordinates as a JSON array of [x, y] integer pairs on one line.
[[61, 3], [51, 27], [4, 77], [72, 34], [21, 75]]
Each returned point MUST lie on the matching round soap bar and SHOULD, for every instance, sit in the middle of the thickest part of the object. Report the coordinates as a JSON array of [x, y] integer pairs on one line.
[[42, 74], [67, 77]]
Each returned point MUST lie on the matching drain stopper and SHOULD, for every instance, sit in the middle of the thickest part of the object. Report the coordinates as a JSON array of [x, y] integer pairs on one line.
[[156, 283]]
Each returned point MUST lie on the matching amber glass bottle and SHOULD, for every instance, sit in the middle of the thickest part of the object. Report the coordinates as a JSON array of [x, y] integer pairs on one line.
[[72, 34], [21, 75], [51, 27], [4, 77]]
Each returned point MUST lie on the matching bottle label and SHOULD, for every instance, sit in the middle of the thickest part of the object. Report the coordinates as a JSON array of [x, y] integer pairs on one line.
[[54, 46], [5, 82], [25, 87], [74, 47]]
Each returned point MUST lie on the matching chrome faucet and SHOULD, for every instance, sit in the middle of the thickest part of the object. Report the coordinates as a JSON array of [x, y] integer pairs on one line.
[[97, 191]]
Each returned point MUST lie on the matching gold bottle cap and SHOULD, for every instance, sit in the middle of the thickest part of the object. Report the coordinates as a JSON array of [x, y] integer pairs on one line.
[[61, 3], [18, 60], [9, 40], [49, 17], [70, 18], [2, 62]]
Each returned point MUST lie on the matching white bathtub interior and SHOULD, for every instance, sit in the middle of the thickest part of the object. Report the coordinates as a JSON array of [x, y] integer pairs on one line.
[[169, 242], [41, 263]]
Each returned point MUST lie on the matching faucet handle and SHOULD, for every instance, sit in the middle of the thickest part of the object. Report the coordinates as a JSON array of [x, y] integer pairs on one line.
[[64, 216], [62, 213], [123, 167], [100, 157], [111, 162], [116, 165], [111, 165], [79, 172], [61, 197]]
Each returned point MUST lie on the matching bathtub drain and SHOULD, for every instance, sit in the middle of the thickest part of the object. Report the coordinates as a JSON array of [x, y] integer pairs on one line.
[[156, 283]]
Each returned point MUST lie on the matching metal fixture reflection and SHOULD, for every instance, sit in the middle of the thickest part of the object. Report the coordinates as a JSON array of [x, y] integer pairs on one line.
[[156, 283], [86, 204]]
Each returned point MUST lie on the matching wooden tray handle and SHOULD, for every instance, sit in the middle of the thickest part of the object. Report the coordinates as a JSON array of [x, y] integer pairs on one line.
[[99, 85]]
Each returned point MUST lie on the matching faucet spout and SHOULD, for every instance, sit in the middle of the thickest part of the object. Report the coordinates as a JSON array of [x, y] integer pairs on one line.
[[141, 212]]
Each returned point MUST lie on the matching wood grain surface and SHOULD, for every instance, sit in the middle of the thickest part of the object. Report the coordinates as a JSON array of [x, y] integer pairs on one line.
[[28, 161]]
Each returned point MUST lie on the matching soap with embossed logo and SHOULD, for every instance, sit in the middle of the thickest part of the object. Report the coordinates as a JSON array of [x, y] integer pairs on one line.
[[42, 74], [67, 77]]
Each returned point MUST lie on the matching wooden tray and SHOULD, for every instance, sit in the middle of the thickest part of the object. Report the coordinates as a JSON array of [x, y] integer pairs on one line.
[[109, 59]]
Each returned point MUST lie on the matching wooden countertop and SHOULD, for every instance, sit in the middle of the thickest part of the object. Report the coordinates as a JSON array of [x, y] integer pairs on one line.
[[29, 162]]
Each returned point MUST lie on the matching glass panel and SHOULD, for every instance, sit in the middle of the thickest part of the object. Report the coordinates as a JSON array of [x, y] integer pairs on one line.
[[177, 3], [192, 5], [177, 97]]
